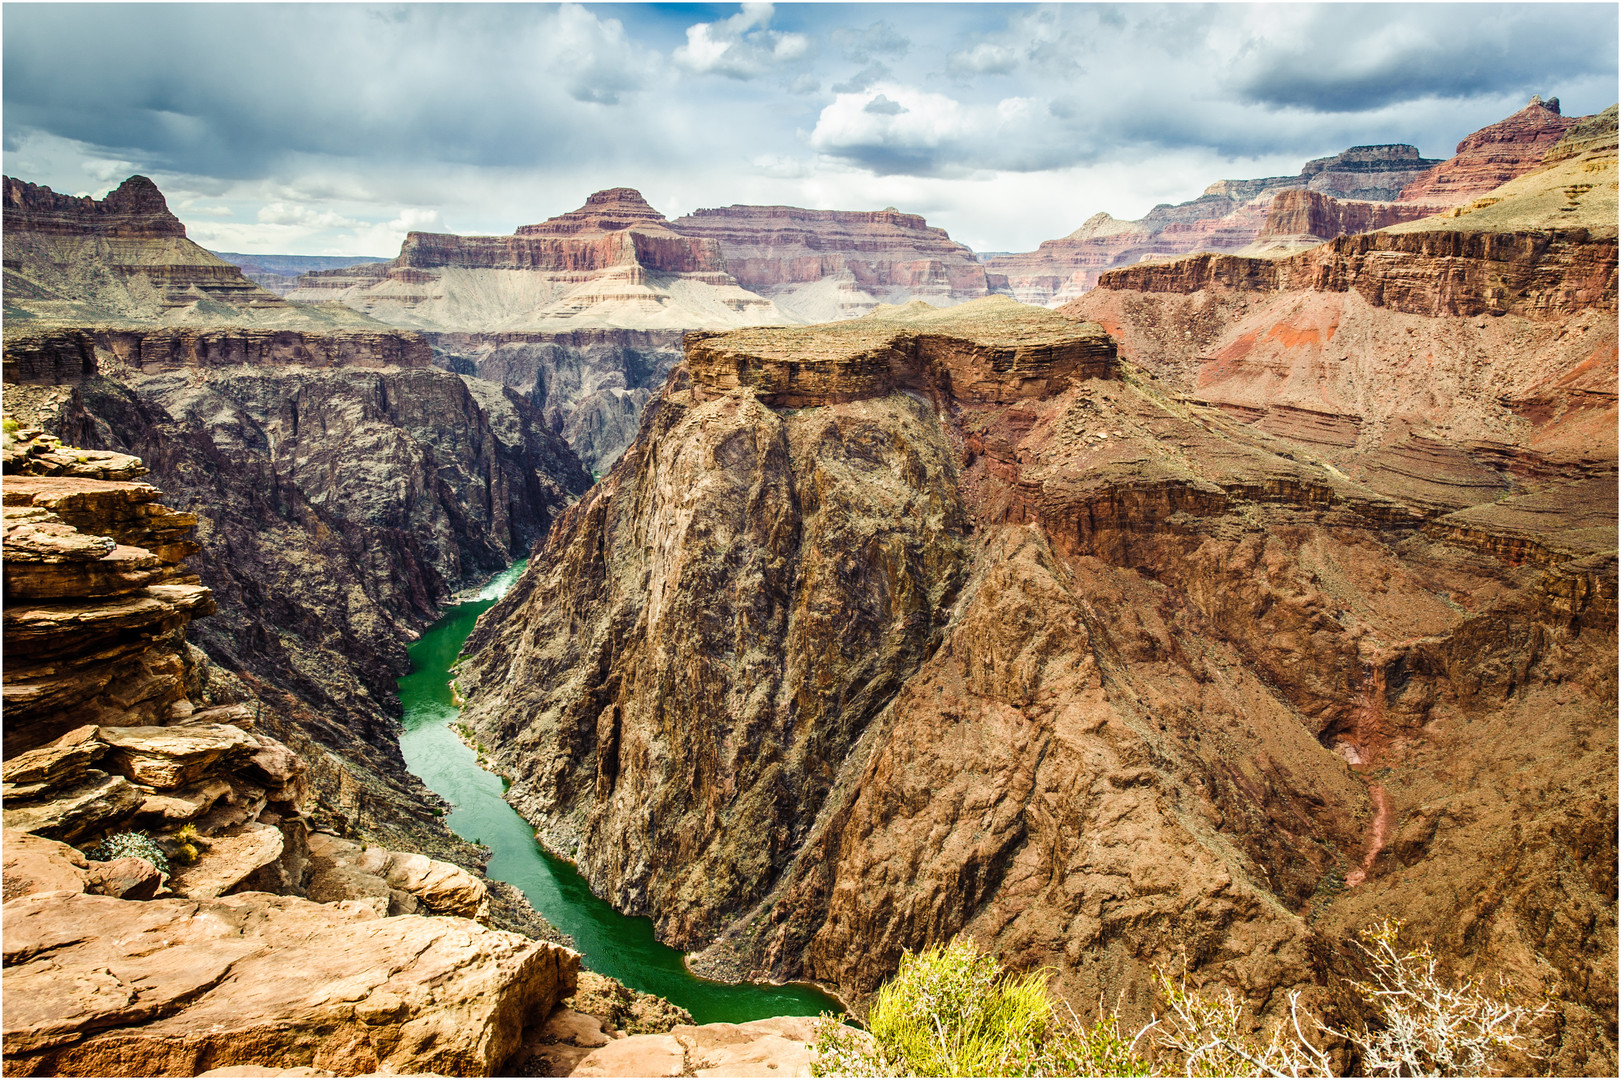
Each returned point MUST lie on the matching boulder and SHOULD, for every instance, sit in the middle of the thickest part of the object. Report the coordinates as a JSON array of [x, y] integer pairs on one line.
[[33, 864], [128, 879], [392, 881], [98, 986]]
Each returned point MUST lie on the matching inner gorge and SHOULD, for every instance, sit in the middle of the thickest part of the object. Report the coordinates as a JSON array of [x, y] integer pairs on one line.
[[622, 634]]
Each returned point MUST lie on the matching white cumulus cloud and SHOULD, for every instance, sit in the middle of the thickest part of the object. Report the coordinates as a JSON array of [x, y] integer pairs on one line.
[[741, 47]]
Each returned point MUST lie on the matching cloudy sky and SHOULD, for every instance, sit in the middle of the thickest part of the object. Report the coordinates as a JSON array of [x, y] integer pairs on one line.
[[334, 128]]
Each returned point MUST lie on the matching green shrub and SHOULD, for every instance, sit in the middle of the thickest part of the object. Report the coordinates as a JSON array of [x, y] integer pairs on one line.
[[951, 1011], [127, 845]]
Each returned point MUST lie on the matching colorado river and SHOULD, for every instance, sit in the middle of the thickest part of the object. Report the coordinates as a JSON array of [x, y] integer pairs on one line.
[[611, 943]]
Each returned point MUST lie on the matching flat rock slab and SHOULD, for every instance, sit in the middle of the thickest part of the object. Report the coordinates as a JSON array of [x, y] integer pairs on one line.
[[102, 987], [639, 1055], [227, 861], [779, 1046]]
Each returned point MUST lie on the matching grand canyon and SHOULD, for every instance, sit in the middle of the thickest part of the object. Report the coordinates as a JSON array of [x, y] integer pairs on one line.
[[1174, 601]]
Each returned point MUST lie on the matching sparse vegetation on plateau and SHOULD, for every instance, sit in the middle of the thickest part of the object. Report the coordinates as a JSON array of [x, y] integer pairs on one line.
[[952, 1011]]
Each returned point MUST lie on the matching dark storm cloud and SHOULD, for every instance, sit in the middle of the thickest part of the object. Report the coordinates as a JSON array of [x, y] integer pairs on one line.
[[1449, 51], [1092, 83], [229, 90]]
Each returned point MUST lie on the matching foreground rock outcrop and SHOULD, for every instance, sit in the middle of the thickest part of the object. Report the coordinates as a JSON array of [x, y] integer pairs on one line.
[[186, 930], [847, 656]]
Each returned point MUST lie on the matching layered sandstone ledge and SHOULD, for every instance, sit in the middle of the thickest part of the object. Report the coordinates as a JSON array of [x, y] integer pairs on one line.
[[994, 350], [55, 357], [1443, 272]]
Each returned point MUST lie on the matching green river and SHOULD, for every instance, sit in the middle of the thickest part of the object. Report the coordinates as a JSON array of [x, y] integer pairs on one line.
[[611, 943]]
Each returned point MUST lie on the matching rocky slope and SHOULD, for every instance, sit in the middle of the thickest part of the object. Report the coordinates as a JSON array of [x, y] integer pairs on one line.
[[1364, 188], [124, 259], [821, 265], [891, 630]]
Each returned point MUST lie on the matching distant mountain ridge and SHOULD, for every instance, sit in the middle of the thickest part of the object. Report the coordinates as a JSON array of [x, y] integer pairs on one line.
[[1364, 187]]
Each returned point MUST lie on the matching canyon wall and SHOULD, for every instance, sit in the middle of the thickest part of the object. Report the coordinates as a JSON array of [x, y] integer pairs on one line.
[[1111, 671]]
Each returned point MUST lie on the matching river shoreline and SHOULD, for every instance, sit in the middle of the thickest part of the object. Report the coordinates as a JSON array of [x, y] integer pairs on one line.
[[624, 947]]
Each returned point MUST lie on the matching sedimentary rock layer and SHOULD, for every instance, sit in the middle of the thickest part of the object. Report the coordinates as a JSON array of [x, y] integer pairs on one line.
[[1444, 272], [1493, 156], [818, 265]]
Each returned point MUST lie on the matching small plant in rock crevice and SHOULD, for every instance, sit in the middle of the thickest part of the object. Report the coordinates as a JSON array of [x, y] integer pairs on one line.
[[126, 845]]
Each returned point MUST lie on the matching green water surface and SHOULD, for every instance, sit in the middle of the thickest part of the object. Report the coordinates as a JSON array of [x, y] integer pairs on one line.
[[612, 943]]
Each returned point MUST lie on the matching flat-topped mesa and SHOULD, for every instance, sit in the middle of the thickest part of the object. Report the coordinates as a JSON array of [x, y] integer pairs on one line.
[[615, 228], [991, 351], [135, 210], [1493, 156], [863, 256]]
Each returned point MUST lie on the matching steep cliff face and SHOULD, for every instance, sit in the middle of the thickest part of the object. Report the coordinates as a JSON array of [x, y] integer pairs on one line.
[[340, 504], [591, 385], [843, 659], [818, 265]]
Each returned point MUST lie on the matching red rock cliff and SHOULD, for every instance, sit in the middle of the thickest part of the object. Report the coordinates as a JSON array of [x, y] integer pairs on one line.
[[1493, 155], [135, 210]]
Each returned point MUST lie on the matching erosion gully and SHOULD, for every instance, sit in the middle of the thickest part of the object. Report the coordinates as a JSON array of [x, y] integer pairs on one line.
[[611, 943]]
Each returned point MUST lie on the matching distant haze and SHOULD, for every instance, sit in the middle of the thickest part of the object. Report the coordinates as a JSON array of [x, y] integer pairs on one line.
[[328, 129]]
